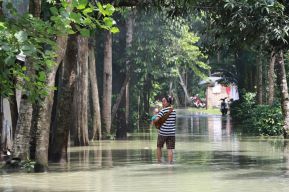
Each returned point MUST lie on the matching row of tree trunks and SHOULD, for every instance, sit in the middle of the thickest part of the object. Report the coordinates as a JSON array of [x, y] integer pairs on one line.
[[44, 118], [260, 85], [35, 137], [64, 121]]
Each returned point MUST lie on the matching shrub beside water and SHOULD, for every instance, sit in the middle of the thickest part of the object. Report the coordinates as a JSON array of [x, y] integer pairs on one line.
[[257, 119]]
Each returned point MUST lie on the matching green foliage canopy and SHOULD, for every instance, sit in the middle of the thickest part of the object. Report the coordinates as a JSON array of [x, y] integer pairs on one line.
[[34, 38]]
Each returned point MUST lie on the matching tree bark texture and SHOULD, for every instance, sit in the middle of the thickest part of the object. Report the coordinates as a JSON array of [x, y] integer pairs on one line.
[[271, 78], [22, 134], [107, 83], [14, 112], [35, 7], [45, 109], [81, 94], [21, 142], [64, 117], [96, 117], [282, 82]]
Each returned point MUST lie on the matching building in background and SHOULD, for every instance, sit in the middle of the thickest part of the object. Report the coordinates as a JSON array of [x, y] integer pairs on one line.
[[216, 91]]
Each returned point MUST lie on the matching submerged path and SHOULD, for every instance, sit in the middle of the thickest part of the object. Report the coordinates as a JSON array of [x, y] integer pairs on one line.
[[209, 157]]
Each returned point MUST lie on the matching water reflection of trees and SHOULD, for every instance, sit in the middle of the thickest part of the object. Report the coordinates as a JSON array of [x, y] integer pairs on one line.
[[107, 154]]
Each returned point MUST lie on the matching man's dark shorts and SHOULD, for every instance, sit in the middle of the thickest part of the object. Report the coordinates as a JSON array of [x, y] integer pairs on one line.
[[169, 140]]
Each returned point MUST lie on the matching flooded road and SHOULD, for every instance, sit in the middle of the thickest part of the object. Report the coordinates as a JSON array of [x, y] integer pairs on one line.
[[209, 157]]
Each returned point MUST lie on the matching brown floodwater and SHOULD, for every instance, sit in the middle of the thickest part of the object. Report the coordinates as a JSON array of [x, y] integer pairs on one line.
[[210, 156]]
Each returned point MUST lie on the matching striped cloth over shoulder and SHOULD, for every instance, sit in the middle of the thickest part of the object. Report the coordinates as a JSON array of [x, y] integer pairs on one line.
[[169, 127]]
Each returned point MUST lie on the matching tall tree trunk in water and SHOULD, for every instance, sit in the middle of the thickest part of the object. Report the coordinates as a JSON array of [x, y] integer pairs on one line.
[[107, 83], [271, 78], [129, 36], [44, 118], [96, 118], [125, 86], [64, 118], [22, 132], [81, 94], [259, 81], [282, 83]]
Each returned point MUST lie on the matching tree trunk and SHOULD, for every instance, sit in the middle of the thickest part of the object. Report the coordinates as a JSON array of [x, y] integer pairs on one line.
[[14, 112], [22, 128], [96, 118], [44, 118], [81, 94], [129, 36], [187, 97], [145, 99], [35, 7], [127, 99], [271, 78], [138, 111], [171, 88], [125, 85], [119, 97], [21, 142], [64, 117], [1, 121], [22, 134], [107, 83], [260, 81], [282, 83]]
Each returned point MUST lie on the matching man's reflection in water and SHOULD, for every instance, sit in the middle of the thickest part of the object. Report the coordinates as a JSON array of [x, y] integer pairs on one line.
[[226, 125]]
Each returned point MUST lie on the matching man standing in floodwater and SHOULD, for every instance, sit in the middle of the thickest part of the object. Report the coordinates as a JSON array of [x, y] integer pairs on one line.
[[167, 131]]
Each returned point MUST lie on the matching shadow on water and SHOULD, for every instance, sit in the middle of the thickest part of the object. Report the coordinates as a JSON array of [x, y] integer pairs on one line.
[[209, 156]]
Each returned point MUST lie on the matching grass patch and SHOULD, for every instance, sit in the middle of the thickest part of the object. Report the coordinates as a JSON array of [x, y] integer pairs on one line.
[[214, 111]]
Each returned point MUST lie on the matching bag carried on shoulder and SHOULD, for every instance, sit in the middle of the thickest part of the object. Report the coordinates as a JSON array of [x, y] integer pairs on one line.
[[163, 119]]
